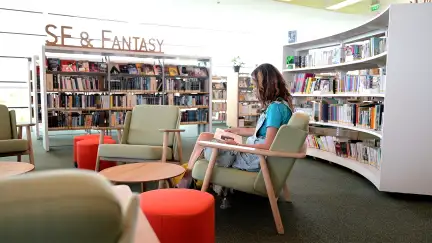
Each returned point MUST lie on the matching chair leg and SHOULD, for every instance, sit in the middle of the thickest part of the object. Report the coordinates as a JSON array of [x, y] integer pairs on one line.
[[286, 193], [271, 195], [97, 164], [209, 170], [30, 144], [19, 158]]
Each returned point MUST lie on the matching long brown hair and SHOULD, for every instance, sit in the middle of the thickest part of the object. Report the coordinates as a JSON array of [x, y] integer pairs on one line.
[[270, 85]]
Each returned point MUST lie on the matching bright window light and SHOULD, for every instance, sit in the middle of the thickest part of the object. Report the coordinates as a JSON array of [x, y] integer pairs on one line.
[[343, 4]]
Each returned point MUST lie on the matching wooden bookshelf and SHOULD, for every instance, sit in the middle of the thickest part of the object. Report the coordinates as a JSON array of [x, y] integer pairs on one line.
[[396, 140], [219, 98], [110, 86], [240, 95]]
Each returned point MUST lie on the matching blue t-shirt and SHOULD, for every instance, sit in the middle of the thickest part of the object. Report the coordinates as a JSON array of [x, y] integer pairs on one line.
[[277, 114]]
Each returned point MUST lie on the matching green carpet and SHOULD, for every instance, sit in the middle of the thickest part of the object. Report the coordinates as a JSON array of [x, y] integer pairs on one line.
[[330, 204]]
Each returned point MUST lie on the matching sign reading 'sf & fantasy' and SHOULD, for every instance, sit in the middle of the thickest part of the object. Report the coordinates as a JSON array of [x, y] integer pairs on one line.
[[109, 41]]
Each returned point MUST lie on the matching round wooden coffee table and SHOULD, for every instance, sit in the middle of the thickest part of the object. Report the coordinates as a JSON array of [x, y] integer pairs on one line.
[[143, 172], [14, 168]]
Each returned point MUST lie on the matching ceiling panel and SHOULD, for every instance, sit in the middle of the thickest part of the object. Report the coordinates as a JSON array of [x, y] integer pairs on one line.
[[361, 7]]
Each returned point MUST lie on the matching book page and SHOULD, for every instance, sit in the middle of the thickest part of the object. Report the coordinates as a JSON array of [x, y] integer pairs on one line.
[[221, 136]]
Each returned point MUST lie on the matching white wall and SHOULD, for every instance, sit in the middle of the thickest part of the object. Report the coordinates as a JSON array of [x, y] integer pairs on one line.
[[252, 29]]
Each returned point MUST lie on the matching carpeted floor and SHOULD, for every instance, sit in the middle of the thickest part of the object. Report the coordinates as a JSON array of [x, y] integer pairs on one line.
[[329, 204]]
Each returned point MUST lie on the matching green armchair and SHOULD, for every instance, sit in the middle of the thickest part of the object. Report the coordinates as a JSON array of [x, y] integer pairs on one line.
[[11, 142], [66, 206], [142, 139], [276, 165]]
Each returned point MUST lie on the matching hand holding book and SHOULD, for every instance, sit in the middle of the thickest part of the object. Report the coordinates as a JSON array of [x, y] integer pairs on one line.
[[227, 137]]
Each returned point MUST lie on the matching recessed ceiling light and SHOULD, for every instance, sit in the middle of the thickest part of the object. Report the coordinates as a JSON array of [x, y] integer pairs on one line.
[[343, 4]]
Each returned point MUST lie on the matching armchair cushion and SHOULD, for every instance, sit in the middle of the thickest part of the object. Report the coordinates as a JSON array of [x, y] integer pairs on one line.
[[146, 120], [13, 145], [5, 123], [229, 177], [128, 151]]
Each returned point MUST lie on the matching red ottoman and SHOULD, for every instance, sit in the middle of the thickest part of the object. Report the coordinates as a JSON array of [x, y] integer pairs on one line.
[[76, 139], [180, 215], [87, 153]]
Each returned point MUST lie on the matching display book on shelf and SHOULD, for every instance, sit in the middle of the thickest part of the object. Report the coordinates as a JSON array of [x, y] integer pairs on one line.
[[79, 93], [219, 98], [243, 108], [343, 82]]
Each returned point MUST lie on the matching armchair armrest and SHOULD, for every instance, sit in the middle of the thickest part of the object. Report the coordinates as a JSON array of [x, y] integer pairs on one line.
[[25, 124], [166, 133], [262, 152], [172, 130]]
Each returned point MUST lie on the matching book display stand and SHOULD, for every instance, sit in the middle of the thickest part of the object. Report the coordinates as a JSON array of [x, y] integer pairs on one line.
[[364, 90], [243, 109], [78, 93]]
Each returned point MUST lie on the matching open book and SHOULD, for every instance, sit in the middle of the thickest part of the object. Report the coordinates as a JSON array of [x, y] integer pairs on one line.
[[220, 135]]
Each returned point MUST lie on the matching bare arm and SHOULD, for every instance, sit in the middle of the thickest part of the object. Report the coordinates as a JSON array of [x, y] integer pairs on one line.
[[271, 134], [242, 131]]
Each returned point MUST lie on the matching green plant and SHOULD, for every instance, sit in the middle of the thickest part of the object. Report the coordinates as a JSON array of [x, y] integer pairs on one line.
[[237, 62]]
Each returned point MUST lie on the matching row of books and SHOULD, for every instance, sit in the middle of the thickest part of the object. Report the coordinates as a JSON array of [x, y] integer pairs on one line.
[[188, 100], [365, 115], [135, 83], [195, 115], [219, 116], [117, 118], [77, 83], [219, 94], [363, 151], [307, 83], [66, 119], [77, 101], [219, 106], [149, 69], [219, 85], [245, 83], [189, 84], [247, 96], [248, 109], [57, 65], [338, 54], [131, 100]]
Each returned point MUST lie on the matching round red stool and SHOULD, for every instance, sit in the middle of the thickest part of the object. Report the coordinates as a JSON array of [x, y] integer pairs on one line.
[[76, 139], [87, 153], [180, 215]]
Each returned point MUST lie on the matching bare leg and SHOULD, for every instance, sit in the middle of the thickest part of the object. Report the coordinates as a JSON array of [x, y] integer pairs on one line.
[[198, 149], [196, 153]]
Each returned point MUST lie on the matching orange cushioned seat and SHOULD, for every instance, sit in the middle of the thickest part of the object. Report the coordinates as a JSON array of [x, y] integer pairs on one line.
[[87, 152], [180, 215], [76, 139]]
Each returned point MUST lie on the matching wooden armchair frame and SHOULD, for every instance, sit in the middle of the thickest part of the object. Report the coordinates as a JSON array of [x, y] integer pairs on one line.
[[203, 142], [29, 151]]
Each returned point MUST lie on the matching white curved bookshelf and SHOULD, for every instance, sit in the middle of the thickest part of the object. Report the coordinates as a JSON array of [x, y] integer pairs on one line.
[[365, 130], [367, 171], [366, 63], [376, 25], [339, 95], [404, 100]]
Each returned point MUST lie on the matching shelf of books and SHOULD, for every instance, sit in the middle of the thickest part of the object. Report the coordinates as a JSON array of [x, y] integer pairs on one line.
[[219, 99], [344, 81], [78, 94], [243, 107]]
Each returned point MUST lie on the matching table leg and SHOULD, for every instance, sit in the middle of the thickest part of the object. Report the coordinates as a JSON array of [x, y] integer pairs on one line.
[[143, 187], [170, 183], [101, 137]]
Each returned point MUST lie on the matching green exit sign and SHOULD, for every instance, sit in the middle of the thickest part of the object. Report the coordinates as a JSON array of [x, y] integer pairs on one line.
[[375, 7]]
